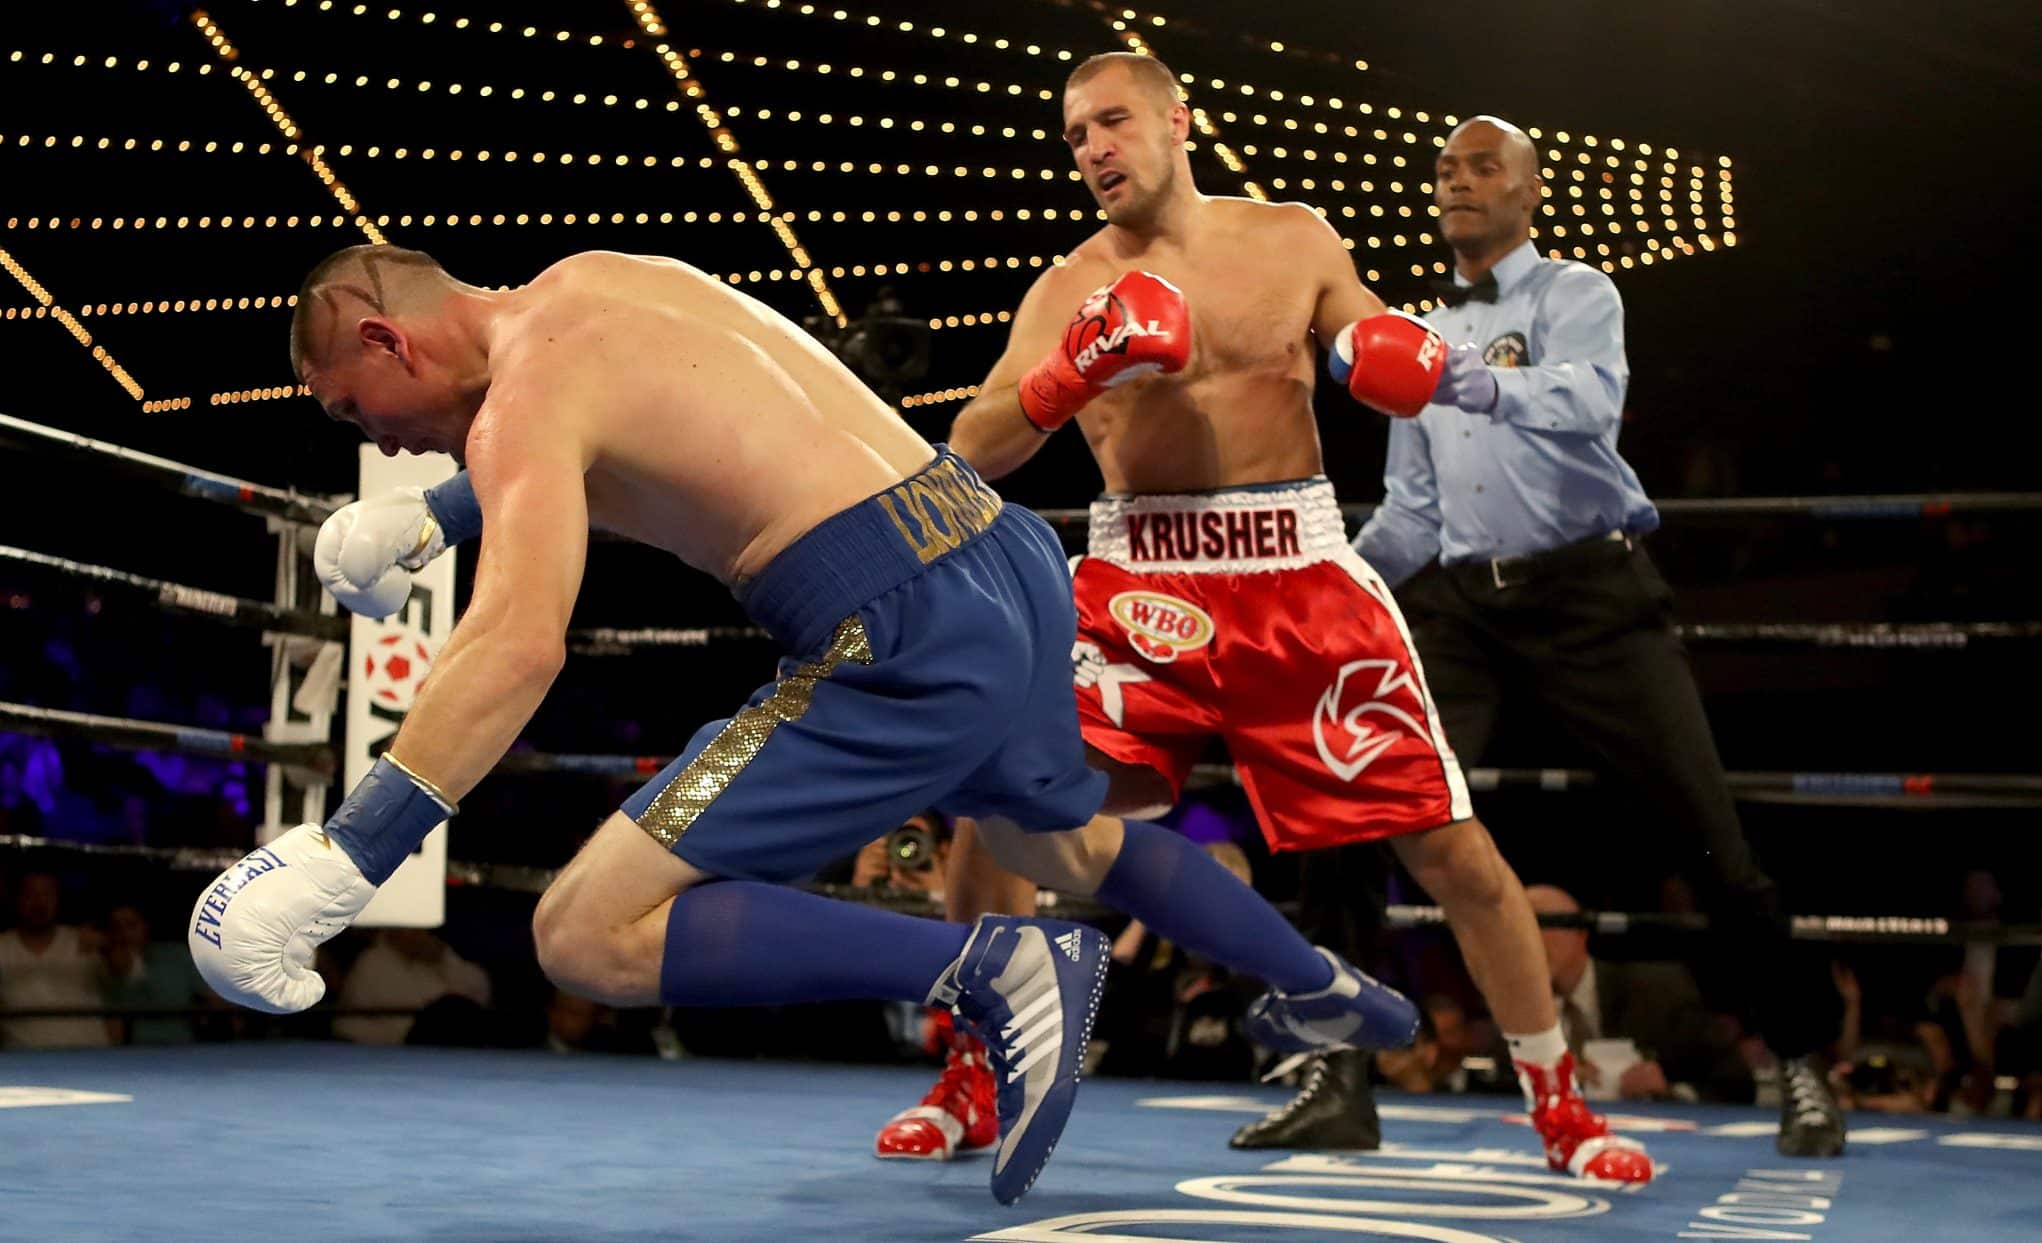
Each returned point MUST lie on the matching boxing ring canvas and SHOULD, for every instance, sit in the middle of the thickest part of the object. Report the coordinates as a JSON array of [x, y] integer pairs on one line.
[[332, 1142]]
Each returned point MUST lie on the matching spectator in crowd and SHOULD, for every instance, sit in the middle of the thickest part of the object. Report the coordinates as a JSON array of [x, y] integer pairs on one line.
[[1681, 1050], [47, 965], [142, 973], [1897, 1069], [913, 856], [403, 969], [31, 772], [2020, 1048], [1447, 1037], [1169, 1014], [1975, 996], [1945, 1052]]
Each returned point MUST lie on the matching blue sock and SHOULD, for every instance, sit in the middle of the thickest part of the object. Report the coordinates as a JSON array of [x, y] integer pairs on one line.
[[1187, 897], [741, 943]]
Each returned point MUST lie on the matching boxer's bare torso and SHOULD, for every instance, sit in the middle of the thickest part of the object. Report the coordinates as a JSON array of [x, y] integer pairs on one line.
[[1260, 280], [709, 425]]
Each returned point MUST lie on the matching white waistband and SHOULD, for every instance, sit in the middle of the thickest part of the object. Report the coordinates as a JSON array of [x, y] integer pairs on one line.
[[1237, 531]]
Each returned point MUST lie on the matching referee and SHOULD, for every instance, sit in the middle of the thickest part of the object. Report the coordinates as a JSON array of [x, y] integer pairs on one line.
[[1511, 480]]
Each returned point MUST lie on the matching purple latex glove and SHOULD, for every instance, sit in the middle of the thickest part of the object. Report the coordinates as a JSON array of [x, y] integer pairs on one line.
[[1466, 381]]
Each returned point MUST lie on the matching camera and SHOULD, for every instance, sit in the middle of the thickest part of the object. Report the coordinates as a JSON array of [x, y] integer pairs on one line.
[[885, 347], [1876, 1075], [911, 848]]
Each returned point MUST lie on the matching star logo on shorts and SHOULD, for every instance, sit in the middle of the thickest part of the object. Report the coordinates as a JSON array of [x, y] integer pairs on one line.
[[1362, 727]]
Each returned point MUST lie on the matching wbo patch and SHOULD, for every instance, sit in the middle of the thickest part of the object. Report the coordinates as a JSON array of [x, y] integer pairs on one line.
[[1508, 350], [1161, 627]]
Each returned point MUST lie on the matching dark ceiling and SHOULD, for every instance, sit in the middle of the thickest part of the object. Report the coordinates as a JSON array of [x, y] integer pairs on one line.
[[1870, 196]]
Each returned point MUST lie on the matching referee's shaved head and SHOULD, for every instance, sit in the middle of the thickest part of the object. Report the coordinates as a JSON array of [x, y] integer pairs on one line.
[[1511, 142], [1486, 185]]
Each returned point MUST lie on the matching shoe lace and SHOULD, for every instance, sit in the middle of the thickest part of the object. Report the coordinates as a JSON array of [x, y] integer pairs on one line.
[[959, 1068], [1315, 1078], [1807, 1093]]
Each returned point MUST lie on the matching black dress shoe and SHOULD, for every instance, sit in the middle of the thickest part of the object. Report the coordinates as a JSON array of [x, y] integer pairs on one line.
[[1334, 1109], [1811, 1124]]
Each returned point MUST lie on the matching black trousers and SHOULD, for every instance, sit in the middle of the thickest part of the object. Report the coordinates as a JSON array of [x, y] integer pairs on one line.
[[1592, 646]]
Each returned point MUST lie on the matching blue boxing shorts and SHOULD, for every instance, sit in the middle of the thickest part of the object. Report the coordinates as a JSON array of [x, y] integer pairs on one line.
[[931, 629]]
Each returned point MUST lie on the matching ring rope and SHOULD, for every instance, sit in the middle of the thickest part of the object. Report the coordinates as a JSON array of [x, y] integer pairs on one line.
[[195, 601], [254, 498], [1844, 789], [1917, 928], [1906, 636], [1912, 791], [1904, 789], [603, 641], [1921, 636], [1942, 790], [1896, 505], [608, 641], [158, 736], [299, 507], [1920, 929]]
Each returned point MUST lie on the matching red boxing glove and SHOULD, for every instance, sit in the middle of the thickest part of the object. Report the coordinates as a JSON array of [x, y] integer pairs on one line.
[[1139, 325], [1396, 361]]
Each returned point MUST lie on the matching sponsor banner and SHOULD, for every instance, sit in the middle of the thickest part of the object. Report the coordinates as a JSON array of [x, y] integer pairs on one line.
[[387, 661]]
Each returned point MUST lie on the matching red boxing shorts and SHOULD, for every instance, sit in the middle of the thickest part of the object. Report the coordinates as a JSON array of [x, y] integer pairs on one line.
[[1244, 614]]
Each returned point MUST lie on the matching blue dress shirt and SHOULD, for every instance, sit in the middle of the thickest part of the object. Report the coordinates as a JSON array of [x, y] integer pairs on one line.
[[1539, 471]]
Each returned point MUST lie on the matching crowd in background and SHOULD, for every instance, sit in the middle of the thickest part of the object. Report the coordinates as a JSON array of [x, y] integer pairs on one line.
[[84, 964]]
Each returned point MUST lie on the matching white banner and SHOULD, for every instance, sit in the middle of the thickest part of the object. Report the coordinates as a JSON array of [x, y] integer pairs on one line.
[[386, 662]]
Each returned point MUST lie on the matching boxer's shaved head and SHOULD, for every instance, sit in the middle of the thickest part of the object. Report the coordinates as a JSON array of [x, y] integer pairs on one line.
[[389, 342], [1126, 128], [1486, 184], [356, 282], [1151, 75]]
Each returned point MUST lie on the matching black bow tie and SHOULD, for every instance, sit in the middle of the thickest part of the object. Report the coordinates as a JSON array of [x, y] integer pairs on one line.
[[1483, 290]]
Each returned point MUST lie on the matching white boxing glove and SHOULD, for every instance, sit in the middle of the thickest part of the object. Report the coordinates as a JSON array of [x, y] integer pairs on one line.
[[255, 929], [366, 551]]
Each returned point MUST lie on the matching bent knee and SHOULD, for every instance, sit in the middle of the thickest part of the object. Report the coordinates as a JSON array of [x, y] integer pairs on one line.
[[1458, 863], [1074, 860], [589, 956]]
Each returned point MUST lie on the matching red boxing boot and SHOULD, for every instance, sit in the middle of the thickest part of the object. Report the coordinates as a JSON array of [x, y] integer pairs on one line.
[[959, 1113], [1578, 1141]]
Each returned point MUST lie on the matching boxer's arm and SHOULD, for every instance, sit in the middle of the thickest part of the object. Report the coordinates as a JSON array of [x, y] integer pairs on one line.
[[991, 432], [1342, 298], [1577, 387], [1388, 361], [1402, 536], [526, 456]]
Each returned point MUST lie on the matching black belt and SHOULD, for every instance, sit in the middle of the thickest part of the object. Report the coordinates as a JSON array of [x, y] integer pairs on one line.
[[1499, 573]]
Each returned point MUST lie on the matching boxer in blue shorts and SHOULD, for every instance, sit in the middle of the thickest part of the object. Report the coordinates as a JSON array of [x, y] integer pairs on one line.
[[928, 628], [934, 627]]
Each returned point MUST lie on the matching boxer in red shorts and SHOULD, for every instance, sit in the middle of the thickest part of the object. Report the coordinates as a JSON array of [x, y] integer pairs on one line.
[[1243, 613], [1218, 595]]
